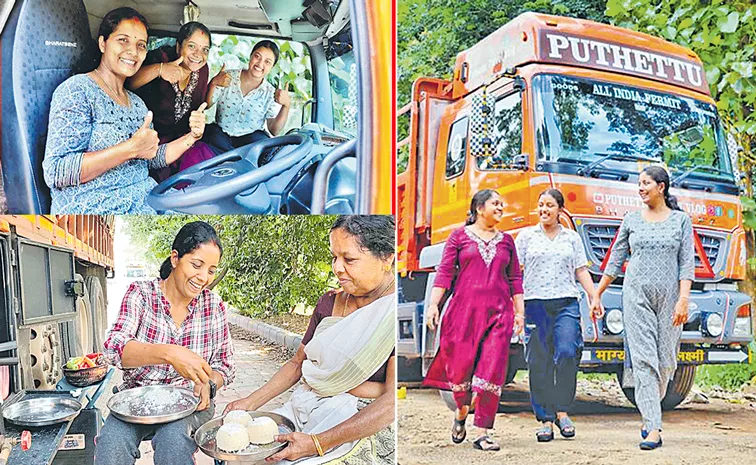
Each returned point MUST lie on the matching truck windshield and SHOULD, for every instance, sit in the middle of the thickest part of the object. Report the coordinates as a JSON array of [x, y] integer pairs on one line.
[[583, 122]]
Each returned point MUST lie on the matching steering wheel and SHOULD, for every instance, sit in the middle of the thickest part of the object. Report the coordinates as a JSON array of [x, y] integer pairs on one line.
[[227, 175]]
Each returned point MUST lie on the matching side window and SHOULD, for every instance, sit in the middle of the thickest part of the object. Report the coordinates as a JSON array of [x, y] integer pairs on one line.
[[506, 134], [456, 148], [156, 42]]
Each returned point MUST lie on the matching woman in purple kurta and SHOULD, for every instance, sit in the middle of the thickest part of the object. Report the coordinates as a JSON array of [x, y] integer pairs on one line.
[[173, 84], [480, 266]]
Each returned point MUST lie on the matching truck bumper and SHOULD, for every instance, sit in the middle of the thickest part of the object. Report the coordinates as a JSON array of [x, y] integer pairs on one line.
[[705, 306]]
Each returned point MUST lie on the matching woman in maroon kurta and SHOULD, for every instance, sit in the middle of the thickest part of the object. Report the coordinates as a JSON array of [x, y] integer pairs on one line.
[[173, 84], [479, 321]]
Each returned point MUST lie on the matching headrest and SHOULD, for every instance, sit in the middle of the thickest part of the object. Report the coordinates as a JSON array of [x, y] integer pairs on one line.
[[44, 43]]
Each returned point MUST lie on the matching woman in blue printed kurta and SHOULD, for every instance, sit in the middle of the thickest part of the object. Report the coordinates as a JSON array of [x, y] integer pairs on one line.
[[659, 241], [100, 141]]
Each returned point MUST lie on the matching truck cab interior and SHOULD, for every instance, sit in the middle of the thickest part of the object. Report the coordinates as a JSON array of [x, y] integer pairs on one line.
[[311, 168]]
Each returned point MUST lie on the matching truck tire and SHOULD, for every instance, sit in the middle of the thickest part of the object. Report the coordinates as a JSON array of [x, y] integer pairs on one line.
[[83, 323], [678, 389], [98, 309]]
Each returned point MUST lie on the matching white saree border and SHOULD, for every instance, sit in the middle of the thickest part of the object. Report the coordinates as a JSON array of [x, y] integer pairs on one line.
[[345, 352]]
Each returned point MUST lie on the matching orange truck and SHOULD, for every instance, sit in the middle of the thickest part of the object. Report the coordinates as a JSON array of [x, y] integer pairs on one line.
[[545, 102], [54, 271]]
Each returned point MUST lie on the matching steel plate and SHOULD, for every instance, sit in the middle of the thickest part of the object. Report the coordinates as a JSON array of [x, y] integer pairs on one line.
[[205, 439], [150, 405], [41, 411]]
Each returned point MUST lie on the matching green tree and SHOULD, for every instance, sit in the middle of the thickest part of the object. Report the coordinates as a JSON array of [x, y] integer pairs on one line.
[[270, 263], [723, 34]]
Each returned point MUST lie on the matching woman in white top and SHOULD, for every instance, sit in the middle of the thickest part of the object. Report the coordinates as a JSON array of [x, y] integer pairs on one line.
[[553, 258]]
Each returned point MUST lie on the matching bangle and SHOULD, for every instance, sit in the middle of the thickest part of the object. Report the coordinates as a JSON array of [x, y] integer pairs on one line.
[[161, 162], [189, 143], [317, 444], [160, 71]]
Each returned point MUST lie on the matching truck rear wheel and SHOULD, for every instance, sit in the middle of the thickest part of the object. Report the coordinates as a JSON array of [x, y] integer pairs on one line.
[[98, 309], [44, 349], [678, 389]]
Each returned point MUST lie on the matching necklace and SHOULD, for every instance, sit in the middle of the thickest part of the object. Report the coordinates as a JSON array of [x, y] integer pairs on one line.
[[382, 294], [115, 94]]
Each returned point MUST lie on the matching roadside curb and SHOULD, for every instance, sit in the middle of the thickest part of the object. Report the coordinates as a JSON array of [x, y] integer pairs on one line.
[[268, 332]]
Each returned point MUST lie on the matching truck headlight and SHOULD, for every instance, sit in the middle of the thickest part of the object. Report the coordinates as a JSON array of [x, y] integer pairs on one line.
[[613, 321], [712, 324], [743, 322]]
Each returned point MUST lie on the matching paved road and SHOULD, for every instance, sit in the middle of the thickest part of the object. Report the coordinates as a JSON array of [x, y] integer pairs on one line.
[[719, 433]]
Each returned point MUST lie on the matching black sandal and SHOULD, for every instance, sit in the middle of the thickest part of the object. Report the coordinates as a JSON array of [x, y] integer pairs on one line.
[[490, 444], [459, 433], [545, 434], [566, 427]]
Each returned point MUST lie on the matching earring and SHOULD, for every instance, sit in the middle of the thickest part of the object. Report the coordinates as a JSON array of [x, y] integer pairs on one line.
[[387, 268]]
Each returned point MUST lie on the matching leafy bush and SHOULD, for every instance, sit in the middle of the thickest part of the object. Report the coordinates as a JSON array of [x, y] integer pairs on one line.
[[273, 263], [728, 377]]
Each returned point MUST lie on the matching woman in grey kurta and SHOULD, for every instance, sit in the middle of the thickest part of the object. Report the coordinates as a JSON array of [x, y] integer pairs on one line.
[[100, 141], [659, 274], [83, 118]]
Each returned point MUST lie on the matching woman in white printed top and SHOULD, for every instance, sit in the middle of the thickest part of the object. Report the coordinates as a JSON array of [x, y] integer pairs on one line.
[[244, 102], [553, 257]]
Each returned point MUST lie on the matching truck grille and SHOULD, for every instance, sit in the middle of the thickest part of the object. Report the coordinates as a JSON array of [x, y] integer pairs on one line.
[[600, 237], [711, 247]]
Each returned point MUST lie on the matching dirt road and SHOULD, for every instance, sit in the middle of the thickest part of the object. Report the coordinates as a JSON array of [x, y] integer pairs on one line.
[[607, 432]]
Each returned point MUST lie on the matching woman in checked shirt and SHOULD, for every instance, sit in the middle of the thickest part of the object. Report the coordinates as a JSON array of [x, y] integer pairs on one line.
[[553, 259], [171, 330]]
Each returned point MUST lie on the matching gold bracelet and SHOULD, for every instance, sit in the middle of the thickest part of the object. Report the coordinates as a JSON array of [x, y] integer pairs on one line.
[[317, 444], [186, 141]]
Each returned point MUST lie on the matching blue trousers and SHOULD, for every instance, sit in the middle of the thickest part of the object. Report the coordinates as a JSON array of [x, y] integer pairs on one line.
[[173, 444], [220, 142], [553, 348]]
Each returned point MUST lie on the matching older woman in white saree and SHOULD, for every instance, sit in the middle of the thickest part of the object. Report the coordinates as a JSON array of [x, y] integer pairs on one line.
[[344, 409]]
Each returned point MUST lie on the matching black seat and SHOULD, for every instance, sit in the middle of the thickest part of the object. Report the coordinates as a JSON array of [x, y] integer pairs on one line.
[[44, 43]]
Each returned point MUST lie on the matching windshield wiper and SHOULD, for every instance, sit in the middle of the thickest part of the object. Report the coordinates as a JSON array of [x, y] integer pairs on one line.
[[588, 170], [677, 179]]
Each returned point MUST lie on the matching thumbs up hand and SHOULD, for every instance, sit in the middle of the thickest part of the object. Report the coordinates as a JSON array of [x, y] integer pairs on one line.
[[282, 98], [222, 79], [172, 71], [197, 121], [144, 142]]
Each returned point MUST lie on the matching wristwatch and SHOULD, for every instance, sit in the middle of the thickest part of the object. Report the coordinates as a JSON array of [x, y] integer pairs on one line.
[[213, 388]]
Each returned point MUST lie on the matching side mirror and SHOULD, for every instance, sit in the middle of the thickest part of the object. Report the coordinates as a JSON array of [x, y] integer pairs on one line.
[[521, 162]]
